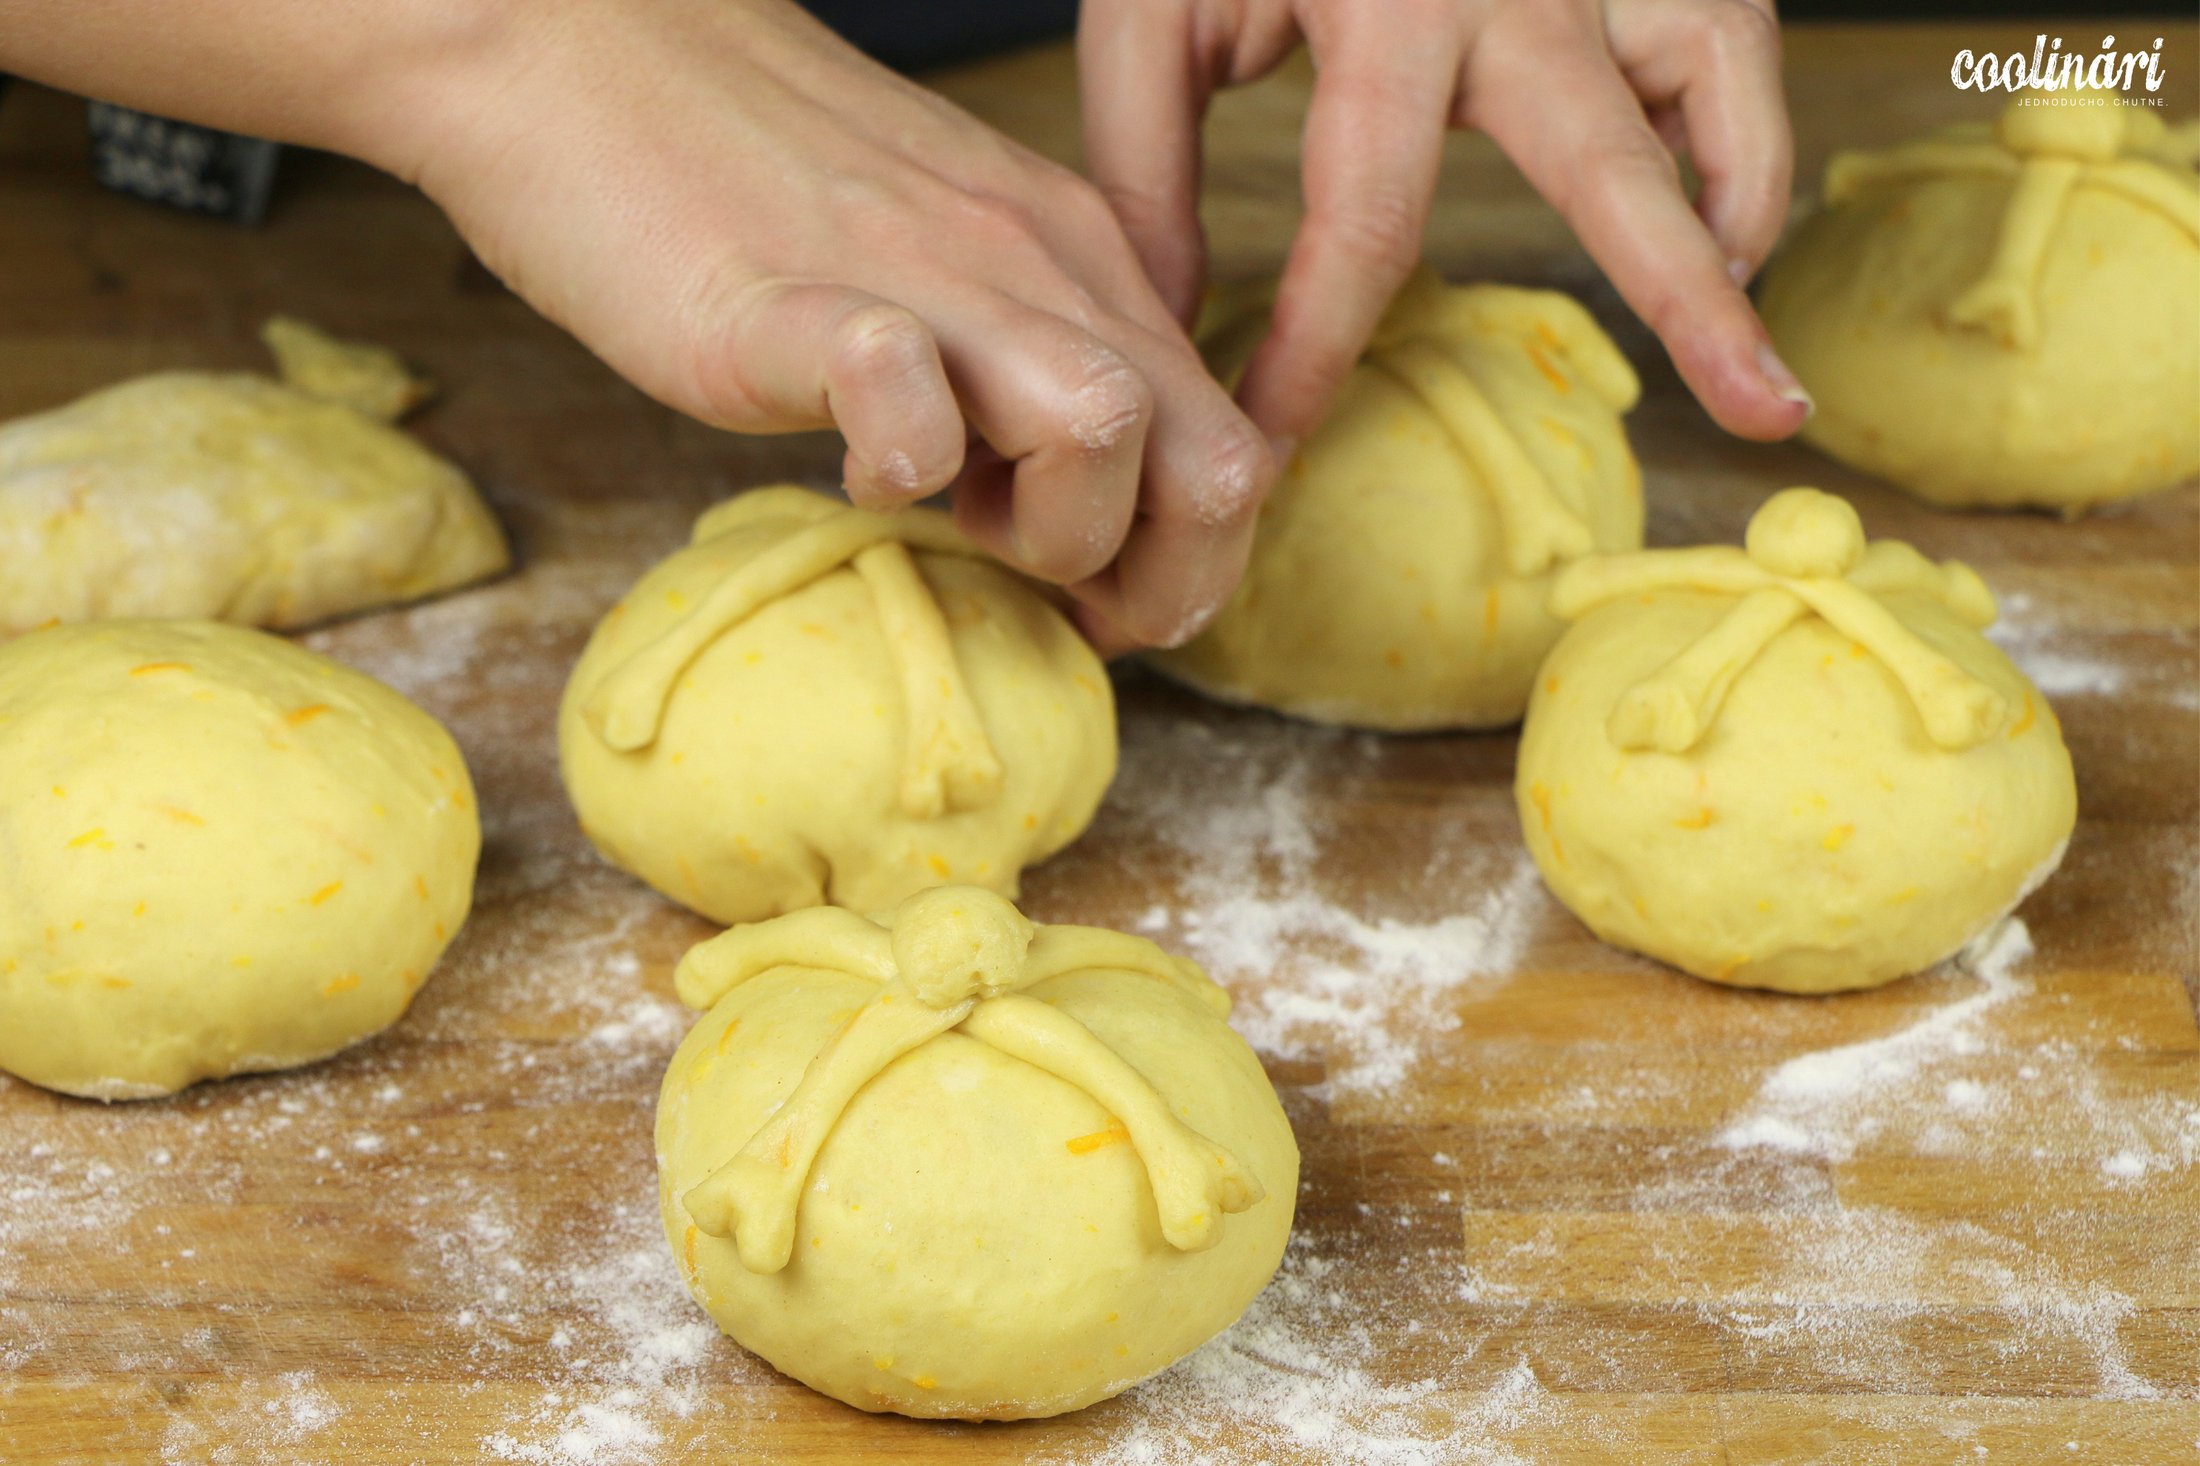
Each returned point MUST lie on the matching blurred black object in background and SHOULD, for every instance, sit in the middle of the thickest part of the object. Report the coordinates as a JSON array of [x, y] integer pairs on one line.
[[936, 32], [193, 168]]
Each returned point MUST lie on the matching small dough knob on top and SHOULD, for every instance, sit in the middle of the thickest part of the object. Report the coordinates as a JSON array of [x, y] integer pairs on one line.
[[1806, 532], [1807, 556], [954, 943], [965, 954]]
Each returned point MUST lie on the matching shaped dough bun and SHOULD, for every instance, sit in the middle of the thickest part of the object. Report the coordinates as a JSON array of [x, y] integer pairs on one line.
[[949, 1163], [235, 498], [813, 703], [219, 852], [2004, 316], [1399, 569], [1797, 767]]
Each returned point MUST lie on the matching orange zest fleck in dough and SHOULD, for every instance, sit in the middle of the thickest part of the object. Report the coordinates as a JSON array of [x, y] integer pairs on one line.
[[179, 815], [93, 836], [1394, 657], [2027, 719], [1560, 382], [337, 985], [1838, 836], [725, 1035], [939, 865], [1700, 820], [1098, 1140], [321, 896], [687, 1249], [420, 885], [148, 668], [296, 717], [1540, 795]]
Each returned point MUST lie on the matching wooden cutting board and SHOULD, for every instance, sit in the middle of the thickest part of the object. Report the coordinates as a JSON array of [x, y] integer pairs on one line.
[[1560, 1204]]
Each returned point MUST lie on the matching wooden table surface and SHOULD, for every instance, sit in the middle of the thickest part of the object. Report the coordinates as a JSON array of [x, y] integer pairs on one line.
[[1560, 1204]]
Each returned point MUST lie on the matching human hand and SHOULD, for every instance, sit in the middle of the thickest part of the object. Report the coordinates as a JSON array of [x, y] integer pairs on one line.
[[1591, 100], [765, 230]]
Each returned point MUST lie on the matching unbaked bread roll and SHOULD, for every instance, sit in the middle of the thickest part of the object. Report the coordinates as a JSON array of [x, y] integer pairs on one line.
[[949, 1163], [2008, 315], [1399, 568], [231, 497], [1800, 767], [813, 703], [219, 852]]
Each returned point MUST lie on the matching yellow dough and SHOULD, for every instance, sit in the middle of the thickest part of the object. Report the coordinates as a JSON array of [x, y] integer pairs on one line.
[[813, 703], [219, 852], [1399, 569], [1800, 767], [949, 1163], [2005, 316], [231, 497]]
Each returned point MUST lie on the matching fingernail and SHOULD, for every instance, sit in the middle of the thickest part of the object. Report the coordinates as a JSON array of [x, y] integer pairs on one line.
[[1782, 381], [1738, 271]]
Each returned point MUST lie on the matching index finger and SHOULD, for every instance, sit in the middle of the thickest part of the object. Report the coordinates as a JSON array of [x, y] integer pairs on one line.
[[1374, 139], [1600, 165]]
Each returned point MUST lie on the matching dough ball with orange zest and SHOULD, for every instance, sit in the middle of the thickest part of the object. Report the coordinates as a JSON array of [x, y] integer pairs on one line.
[[951, 1163], [219, 853], [2006, 314], [1400, 566], [813, 703], [1797, 766]]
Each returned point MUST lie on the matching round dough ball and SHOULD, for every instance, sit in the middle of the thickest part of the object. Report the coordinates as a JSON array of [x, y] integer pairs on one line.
[[1804, 781], [1399, 569], [2004, 317], [946, 1163], [219, 853], [812, 703]]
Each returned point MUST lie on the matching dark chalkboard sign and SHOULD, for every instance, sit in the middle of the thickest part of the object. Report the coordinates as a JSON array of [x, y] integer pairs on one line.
[[183, 166]]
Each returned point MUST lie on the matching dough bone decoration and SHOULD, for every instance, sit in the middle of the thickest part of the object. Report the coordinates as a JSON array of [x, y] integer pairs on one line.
[[1806, 555], [1399, 570], [953, 958], [947, 1162], [1798, 765], [813, 702], [2054, 150], [947, 762]]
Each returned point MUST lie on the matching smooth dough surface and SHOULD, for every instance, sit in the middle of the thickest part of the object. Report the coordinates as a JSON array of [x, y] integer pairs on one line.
[[2001, 317], [812, 703], [947, 1163], [1399, 568], [1717, 775], [233, 497], [219, 852]]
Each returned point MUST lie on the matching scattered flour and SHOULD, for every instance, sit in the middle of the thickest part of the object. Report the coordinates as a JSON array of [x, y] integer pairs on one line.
[[1829, 1102], [1290, 1382], [1311, 975]]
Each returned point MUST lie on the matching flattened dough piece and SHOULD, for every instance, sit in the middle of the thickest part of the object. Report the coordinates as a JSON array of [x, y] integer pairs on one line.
[[231, 497]]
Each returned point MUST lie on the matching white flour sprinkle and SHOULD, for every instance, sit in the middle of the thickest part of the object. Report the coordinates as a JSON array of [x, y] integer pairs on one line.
[[1312, 976], [1827, 1103], [1289, 1381]]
